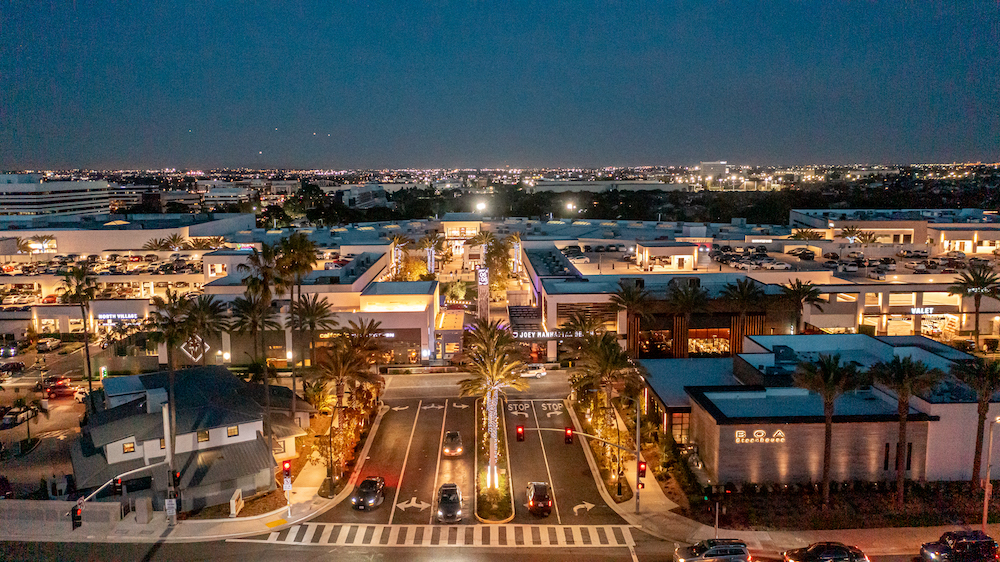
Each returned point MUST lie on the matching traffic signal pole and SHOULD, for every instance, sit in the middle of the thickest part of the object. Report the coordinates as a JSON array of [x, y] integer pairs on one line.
[[638, 450]]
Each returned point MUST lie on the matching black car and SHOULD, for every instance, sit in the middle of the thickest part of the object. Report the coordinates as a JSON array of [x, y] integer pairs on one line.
[[12, 367], [449, 503], [370, 493], [539, 497], [49, 382], [826, 552], [452, 444], [960, 546]]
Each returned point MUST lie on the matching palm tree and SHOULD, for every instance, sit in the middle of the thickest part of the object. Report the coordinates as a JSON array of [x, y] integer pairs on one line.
[[800, 294], [868, 237], [905, 377], [23, 246], [345, 366], [42, 240], [683, 300], [828, 378], [495, 257], [433, 244], [978, 281], [364, 336], [583, 324], [604, 365], [34, 407], [399, 243], [743, 296], [635, 301], [206, 317], [158, 244], [983, 377], [850, 232], [298, 258], [80, 288], [313, 314], [255, 316], [495, 367], [263, 273], [806, 234], [175, 242], [169, 324]]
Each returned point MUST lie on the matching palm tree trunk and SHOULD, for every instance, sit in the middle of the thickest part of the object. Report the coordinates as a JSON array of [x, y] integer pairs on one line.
[[267, 391], [975, 334], [491, 424], [86, 348], [827, 449], [632, 326], [172, 411], [977, 460], [340, 423], [903, 409]]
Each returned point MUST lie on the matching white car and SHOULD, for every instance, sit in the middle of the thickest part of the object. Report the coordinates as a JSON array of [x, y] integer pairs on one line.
[[956, 254], [534, 371], [579, 259], [777, 265], [80, 395], [848, 267], [856, 255]]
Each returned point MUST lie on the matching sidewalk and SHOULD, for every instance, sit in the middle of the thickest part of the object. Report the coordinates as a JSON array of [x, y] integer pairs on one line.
[[305, 504], [656, 518]]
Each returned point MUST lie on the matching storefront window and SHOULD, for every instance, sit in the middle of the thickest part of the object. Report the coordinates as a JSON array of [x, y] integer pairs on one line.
[[681, 426]]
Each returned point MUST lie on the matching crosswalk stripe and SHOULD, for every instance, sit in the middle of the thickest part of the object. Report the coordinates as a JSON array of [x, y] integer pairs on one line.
[[510, 536]]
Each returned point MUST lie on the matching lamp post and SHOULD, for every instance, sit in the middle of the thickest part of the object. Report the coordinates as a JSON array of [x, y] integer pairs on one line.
[[989, 470]]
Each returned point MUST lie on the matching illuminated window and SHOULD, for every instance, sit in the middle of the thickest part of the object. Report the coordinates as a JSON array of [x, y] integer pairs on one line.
[[681, 426], [163, 443], [128, 448], [233, 431], [203, 436]]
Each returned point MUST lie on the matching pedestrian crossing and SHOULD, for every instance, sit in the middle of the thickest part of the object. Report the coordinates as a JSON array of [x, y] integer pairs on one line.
[[509, 536]]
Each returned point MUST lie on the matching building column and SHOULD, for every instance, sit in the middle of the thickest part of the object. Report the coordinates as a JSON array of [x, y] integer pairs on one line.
[[918, 302], [882, 328], [551, 351]]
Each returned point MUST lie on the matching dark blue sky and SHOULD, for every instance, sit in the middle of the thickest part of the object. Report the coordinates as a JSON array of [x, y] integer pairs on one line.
[[204, 83]]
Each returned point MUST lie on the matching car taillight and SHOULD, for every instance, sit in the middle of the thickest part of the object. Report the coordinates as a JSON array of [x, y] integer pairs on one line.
[[531, 503]]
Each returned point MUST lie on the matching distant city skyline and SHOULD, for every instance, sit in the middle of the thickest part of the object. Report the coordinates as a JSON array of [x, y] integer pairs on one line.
[[473, 85]]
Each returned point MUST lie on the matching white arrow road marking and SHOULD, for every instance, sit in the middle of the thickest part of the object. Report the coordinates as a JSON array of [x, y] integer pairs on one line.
[[525, 414], [555, 413], [585, 505], [413, 503], [432, 407], [460, 406], [398, 408]]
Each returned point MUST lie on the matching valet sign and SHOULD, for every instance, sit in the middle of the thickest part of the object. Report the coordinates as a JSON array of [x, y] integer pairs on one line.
[[759, 436], [922, 310]]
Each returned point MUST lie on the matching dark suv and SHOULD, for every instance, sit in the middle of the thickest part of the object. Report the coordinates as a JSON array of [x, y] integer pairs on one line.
[[960, 546], [539, 498]]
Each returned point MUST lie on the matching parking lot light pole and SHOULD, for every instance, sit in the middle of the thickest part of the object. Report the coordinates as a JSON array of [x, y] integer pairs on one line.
[[989, 469]]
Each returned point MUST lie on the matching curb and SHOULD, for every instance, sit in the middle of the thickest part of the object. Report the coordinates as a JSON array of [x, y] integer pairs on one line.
[[513, 510]]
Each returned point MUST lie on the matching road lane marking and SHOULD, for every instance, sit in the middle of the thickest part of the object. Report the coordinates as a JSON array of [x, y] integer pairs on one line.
[[406, 457], [437, 469], [512, 536], [546, 459]]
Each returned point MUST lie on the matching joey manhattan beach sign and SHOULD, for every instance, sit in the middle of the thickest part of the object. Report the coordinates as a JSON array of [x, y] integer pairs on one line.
[[759, 436]]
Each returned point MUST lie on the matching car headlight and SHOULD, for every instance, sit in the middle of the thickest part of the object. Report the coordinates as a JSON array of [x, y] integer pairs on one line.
[[440, 513], [459, 450], [447, 450], [371, 501], [354, 500], [459, 512]]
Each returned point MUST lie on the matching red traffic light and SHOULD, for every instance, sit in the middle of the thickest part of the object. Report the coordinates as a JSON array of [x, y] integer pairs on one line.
[[286, 466], [569, 436], [520, 433], [642, 469]]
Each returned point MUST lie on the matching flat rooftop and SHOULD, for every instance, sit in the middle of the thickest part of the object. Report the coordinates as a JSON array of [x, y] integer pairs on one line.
[[400, 288], [668, 377]]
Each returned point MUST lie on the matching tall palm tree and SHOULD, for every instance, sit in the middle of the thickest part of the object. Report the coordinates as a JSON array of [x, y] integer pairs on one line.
[[905, 377], [603, 366], [743, 296], [342, 368], [635, 301], [978, 281], [495, 257], [495, 366], [313, 314], [433, 244], [684, 300], [169, 326], [157, 244], [828, 378], [983, 377], [80, 289], [206, 317], [24, 246], [175, 242], [800, 294], [364, 336], [263, 274], [867, 237], [43, 240], [298, 258], [583, 324], [254, 315]]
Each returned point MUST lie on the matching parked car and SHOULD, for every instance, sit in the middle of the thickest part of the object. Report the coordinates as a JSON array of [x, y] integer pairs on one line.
[[539, 497], [826, 552], [777, 265], [15, 417], [960, 546], [62, 391], [830, 264], [796, 251], [48, 344], [888, 263], [452, 444], [848, 266], [956, 254], [449, 500], [728, 550], [808, 255], [12, 367], [80, 395], [370, 493], [831, 256], [904, 254], [579, 259]]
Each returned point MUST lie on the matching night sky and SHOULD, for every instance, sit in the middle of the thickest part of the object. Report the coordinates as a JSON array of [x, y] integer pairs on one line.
[[342, 84]]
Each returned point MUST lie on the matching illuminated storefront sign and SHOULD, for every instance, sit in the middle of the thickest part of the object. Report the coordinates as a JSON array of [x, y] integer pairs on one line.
[[760, 436], [484, 276], [547, 335], [925, 310], [328, 335], [761, 240], [118, 316]]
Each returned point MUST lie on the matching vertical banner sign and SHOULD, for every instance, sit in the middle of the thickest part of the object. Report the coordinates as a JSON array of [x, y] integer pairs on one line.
[[483, 300]]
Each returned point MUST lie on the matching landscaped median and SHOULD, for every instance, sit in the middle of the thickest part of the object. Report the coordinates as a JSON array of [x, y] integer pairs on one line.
[[493, 504]]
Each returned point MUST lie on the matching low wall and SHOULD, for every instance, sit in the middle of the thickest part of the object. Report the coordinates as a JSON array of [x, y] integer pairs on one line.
[[54, 512]]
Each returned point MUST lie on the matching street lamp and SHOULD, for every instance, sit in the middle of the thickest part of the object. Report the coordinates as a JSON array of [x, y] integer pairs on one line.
[[989, 470], [480, 207]]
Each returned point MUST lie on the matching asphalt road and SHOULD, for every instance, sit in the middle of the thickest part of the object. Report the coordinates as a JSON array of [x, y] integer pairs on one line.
[[646, 549]]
